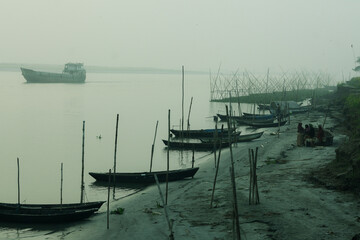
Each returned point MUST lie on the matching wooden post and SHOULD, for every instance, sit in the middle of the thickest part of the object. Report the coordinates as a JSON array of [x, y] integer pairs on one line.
[[18, 167], [61, 185], [108, 200], [182, 101], [152, 147], [233, 180], [217, 166], [193, 158], [251, 176], [115, 150], [167, 169], [188, 120], [215, 142], [256, 185], [171, 236], [82, 165]]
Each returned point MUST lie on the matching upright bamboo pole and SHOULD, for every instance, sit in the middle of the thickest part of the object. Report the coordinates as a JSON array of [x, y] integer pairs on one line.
[[18, 167], [108, 201], [182, 101], [167, 169], [153, 145], [82, 165], [217, 166], [61, 185], [232, 175], [188, 120], [115, 150], [171, 236]]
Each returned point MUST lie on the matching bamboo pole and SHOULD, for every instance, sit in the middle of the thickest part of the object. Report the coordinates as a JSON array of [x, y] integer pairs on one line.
[[18, 167], [256, 185], [182, 101], [108, 201], [167, 169], [61, 185], [188, 120], [82, 165], [115, 150], [153, 145], [217, 166], [215, 141], [233, 181], [171, 236], [251, 176]]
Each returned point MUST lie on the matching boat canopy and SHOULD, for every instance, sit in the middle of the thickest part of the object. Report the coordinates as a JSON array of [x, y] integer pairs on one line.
[[72, 67]]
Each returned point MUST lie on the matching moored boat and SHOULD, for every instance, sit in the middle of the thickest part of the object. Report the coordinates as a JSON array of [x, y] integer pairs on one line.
[[65, 206], [72, 73], [199, 146], [146, 177], [44, 215], [205, 133]]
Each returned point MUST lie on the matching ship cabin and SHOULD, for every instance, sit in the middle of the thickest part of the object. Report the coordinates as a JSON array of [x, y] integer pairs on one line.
[[73, 67]]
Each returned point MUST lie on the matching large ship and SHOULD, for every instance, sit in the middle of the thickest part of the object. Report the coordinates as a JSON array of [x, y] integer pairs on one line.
[[72, 73]]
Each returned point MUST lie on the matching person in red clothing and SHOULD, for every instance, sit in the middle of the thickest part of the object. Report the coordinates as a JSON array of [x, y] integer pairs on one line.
[[320, 135]]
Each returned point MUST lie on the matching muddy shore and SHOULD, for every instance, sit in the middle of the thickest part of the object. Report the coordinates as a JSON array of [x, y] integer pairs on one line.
[[292, 206]]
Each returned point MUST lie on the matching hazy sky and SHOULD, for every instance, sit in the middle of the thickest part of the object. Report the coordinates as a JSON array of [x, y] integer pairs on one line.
[[199, 34]]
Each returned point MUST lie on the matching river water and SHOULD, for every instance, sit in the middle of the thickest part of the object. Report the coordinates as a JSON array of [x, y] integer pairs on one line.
[[41, 124]]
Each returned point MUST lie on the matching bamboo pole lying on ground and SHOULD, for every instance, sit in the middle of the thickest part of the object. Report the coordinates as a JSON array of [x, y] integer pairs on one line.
[[170, 225]]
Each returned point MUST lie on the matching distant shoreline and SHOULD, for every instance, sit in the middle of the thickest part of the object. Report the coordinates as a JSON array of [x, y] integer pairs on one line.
[[15, 67]]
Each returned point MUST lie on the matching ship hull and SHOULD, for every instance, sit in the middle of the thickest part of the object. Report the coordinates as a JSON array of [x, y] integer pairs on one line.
[[32, 76]]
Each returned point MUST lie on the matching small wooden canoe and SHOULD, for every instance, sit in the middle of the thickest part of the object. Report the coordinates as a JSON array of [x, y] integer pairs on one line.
[[146, 177]]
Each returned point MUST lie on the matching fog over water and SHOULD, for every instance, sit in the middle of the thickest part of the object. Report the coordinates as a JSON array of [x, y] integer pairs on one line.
[[252, 35]]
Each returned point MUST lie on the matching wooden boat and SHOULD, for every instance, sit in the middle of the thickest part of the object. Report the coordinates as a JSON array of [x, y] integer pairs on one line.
[[44, 215], [247, 116], [146, 177], [66, 206], [267, 125], [246, 121], [194, 145], [240, 138], [72, 73], [202, 133]]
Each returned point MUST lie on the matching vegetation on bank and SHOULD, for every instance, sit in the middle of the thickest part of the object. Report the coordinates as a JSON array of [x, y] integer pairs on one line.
[[293, 95]]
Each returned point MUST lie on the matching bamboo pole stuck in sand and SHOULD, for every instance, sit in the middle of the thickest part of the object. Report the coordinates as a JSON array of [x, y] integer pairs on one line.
[[18, 167], [115, 150], [188, 120], [217, 166], [170, 225], [153, 145], [108, 200], [253, 189], [82, 165], [168, 160], [61, 185], [215, 142], [232, 175]]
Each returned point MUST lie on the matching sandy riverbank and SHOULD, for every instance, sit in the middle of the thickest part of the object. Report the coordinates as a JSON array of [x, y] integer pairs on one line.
[[290, 206]]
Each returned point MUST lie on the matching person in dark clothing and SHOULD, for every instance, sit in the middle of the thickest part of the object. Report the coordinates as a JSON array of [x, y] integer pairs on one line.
[[312, 131]]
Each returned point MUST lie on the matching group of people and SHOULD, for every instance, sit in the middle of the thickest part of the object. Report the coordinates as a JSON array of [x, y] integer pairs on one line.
[[308, 136]]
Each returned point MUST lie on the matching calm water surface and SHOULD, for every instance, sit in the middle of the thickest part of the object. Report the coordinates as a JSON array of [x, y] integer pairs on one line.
[[41, 124]]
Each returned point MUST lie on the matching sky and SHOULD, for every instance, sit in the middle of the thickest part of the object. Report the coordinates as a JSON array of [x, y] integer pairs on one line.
[[254, 35]]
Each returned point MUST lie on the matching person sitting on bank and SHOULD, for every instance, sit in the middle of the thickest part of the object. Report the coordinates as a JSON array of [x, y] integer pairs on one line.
[[300, 136]]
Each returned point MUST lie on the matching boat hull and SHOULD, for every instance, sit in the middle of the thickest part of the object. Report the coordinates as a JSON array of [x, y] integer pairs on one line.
[[145, 177], [66, 206], [32, 76]]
